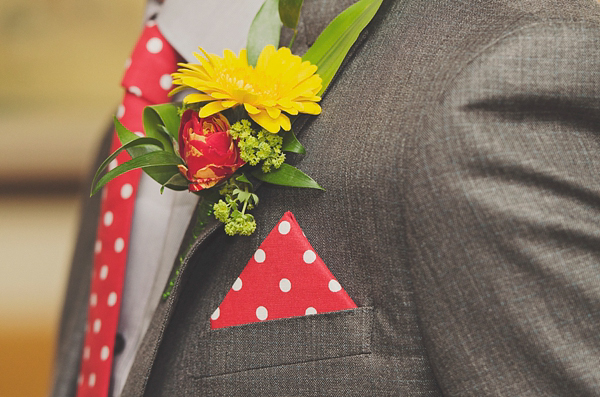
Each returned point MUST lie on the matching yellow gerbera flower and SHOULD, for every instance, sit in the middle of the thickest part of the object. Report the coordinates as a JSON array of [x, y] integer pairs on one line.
[[279, 83]]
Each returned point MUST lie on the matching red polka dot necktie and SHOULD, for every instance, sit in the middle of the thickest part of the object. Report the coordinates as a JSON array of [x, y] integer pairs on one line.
[[147, 81]]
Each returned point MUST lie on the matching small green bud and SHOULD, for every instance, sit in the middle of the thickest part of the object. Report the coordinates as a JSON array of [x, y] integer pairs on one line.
[[221, 211], [264, 150], [230, 229]]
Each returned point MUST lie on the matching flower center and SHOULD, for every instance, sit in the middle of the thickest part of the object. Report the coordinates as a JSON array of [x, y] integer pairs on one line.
[[250, 81]]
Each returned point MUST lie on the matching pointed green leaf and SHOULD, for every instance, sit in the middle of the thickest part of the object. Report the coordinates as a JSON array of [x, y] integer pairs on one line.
[[159, 174], [169, 115], [242, 195], [244, 179], [149, 160], [162, 122], [287, 175], [126, 137], [177, 181], [292, 144], [265, 30], [332, 45], [128, 146], [289, 12]]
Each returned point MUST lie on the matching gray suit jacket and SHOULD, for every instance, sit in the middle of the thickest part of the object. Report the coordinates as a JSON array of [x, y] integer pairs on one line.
[[460, 148]]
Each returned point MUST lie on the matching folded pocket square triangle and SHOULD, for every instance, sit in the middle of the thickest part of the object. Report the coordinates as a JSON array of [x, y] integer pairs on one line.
[[284, 278]]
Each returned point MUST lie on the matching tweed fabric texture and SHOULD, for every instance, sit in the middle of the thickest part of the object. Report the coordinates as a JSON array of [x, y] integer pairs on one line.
[[459, 149]]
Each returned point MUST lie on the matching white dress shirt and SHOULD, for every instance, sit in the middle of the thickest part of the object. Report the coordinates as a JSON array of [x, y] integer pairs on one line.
[[160, 220]]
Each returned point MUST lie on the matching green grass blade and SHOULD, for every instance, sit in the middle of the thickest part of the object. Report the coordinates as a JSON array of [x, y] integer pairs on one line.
[[332, 46]]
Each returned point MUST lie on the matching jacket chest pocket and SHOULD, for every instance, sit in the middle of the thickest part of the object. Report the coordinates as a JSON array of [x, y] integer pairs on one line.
[[283, 342]]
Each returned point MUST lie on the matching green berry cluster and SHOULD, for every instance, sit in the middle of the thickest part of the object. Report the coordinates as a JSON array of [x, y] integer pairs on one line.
[[257, 146], [228, 212]]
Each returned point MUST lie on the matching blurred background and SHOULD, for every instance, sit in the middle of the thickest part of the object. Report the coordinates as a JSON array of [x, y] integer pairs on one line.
[[60, 66]]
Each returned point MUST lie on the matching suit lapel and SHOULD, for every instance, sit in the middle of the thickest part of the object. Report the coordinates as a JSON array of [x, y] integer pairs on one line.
[[314, 16]]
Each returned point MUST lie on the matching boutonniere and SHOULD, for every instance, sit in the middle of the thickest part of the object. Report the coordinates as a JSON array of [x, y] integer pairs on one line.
[[235, 124]]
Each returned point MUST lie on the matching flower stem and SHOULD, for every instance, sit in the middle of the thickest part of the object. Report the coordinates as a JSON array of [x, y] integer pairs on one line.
[[245, 201], [293, 39]]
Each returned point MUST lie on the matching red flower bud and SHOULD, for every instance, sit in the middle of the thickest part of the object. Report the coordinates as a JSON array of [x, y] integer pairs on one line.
[[208, 150]]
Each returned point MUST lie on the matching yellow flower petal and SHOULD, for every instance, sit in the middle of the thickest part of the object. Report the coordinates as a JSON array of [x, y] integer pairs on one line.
[[251, 109], [311, 108], [195, 98], [280, 82], [228, 104], [263, 58], [285, 122], [273, 112], [211, 108], [266, 122], [176, 90], [220, 95]]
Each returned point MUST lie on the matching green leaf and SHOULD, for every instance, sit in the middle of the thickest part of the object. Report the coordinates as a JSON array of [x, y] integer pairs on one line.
[[332, 45], [159, 174], [265, 30], [176, 182], [292, 144], [128, 146], [126, 137], [153, 159], [287, 175], [162, 122], [244, 179], [169, 115], [242, 195], [289, 12]]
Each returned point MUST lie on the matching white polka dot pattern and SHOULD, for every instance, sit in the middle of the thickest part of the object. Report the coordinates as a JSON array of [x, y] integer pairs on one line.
[[309, 256], [112, 299], [93, 299], [108, 218], [277, 283], [285, 285], [262, 313], [237, 285], [260, 256], [334, 286], [151, 59], [97, 325], [154, 45], [166, 82], [104, 353], [135, 91], [120, 111], [119, 245], [126, 191], [284, 227], [103, 272], [310, 310]]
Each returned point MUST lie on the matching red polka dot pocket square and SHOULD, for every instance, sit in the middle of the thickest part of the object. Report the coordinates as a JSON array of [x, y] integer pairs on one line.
[[285, 278]]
